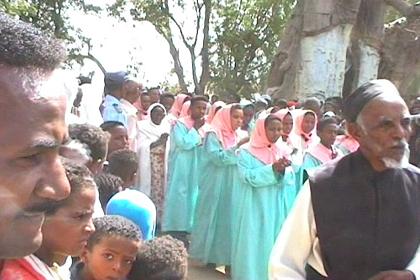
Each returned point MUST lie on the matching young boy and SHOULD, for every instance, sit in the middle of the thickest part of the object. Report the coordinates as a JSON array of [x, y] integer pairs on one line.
[[110, 251], [160, 259], [67, 227], [124, 163], [118, 136], [324, 151]]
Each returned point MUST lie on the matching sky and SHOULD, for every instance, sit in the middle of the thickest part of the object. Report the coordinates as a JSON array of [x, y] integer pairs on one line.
[[113, 41]]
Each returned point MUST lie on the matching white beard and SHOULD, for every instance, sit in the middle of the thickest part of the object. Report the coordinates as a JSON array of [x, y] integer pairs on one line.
[[398, 164]]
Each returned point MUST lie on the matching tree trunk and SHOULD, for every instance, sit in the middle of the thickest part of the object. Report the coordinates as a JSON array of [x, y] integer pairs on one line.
[[331, 47], [311, 60], [179, 71], [205, 62]]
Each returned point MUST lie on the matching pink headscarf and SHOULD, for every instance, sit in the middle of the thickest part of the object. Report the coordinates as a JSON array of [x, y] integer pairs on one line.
[[185, 116], [179, 102], [297, 127], [281, 114], [260, 147], [212, 111], [221, 124], [324, 154], [348, 142]]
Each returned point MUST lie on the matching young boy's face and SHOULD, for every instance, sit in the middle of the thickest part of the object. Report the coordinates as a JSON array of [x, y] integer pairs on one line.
[[66, 232], [111, 258]]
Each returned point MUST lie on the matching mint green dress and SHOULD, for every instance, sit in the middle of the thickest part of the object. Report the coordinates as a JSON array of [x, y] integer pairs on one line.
[[260, 210], [212, 231], [309, 164], [182, 187]]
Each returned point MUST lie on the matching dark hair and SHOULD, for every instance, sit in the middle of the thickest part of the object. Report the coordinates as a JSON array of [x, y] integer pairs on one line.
[[79, 177], [270, 118], [23, 45], [123, 163], [282, 103], [168, 95], [95, 138], [196, 99], [324, 122], [108, 125], [113, 226], [108, 186], [162, 258]]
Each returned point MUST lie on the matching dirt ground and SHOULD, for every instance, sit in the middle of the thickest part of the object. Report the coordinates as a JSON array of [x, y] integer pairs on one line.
[[197, 271]]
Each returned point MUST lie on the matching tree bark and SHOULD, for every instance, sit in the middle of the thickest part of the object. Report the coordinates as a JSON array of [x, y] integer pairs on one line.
[[205, 61]]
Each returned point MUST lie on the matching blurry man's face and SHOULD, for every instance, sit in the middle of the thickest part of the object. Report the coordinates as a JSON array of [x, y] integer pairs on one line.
[[328, 134], [384, 132], [132, 91], [118, 139], [31, 173], [145, 102], [167, 102], [198, 110], [154, 96]]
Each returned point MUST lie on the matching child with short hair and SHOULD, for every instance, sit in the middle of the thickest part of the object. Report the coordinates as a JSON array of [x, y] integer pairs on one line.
[[110, 251], [124, 163], [160, 259]]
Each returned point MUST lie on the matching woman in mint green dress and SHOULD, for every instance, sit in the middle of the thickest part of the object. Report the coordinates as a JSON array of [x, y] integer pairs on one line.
[[259, 195], [211, 236]]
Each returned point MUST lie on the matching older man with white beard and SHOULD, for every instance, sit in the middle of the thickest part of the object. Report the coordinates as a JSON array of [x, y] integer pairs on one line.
[[359, 217]]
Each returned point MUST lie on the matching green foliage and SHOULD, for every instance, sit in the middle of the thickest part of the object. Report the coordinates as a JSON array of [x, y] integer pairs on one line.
[[246, 38]]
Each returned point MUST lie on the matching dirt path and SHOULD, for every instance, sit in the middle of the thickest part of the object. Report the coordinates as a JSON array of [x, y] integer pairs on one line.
[[197, 271]]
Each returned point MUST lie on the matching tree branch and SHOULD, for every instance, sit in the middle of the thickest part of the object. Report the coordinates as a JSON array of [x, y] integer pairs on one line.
[[404, 8]]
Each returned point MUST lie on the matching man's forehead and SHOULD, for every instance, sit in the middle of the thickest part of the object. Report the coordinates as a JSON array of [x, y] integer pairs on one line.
[[30, 83], [386, 107]]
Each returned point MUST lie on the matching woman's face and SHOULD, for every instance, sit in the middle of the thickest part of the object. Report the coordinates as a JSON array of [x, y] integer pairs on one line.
[[236, 118], [157, 115], [287, 124], [308, 122], [273, 129]]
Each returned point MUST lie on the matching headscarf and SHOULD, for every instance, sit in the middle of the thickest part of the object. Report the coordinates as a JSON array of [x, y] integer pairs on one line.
[[185, 115], [151, 129], [221, 124], [297, 126], [283, 113], [179, 102], [260, 147], [137, 207], [356, 101], [212, 111]]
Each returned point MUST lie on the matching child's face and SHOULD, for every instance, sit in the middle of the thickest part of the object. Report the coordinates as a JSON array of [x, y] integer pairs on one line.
[[66, 232], [111, 258]]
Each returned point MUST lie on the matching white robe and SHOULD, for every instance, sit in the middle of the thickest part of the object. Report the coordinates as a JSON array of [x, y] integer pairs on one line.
[[148, 132]]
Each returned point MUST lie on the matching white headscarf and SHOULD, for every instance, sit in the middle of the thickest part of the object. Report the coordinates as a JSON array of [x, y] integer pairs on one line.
[[151, 130]]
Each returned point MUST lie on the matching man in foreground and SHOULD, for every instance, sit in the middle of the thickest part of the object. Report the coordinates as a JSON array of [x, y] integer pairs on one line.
[[32, 129], [359, 217]]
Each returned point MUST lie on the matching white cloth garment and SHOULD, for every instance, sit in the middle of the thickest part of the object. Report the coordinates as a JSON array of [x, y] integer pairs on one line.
[[132, 122], [298, 244], [148, 132]]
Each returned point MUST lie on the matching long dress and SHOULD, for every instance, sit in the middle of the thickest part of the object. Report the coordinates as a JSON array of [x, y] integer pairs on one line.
[[158, 177], [261, 209], [182, 183], [211, 235]]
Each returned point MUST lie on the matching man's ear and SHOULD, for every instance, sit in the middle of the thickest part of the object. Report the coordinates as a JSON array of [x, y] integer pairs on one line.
[[354, 130]]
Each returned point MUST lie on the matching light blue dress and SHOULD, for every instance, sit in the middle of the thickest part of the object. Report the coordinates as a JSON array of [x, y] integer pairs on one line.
[[260, 210], [182, 187], [212, 231]]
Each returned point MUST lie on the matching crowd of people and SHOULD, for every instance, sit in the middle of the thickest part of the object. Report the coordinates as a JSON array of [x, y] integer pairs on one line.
[[266, 188]]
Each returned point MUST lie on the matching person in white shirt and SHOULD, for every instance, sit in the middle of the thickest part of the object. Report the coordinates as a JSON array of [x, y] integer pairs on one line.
[[359, 217]]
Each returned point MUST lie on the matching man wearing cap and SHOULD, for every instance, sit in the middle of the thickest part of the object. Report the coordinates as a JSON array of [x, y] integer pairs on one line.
[[112, 109], [358, 218]]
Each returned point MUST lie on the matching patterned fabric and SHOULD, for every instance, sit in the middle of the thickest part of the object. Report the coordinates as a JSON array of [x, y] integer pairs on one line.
[[157, 191]]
